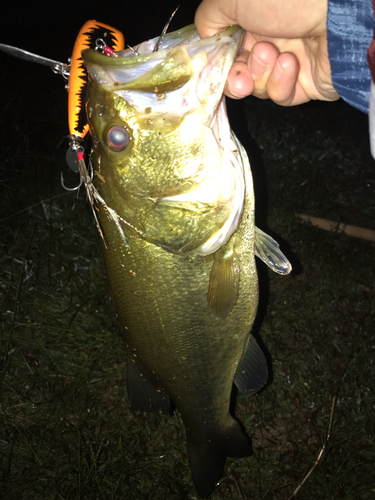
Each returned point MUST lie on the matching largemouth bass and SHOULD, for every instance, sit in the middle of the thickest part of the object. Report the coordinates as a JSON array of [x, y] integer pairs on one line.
[[176, 208]]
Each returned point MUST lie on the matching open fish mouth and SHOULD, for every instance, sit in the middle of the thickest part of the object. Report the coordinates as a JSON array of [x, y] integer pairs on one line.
[[181, 57]]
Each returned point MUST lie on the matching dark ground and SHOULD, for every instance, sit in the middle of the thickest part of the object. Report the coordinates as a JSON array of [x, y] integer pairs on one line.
[[66, 431]]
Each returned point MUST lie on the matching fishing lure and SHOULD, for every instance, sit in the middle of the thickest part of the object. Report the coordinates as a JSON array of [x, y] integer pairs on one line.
[[92, 35]]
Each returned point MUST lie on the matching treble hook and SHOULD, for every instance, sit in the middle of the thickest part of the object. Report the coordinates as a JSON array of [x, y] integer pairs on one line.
[[71, 189], [91, 171], [135, 51], [157, 46]]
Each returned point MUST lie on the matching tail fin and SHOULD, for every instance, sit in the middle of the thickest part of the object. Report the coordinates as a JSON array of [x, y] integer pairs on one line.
[[207, 460]]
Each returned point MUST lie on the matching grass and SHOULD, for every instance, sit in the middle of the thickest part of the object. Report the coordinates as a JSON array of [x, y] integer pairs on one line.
[[66, 431]]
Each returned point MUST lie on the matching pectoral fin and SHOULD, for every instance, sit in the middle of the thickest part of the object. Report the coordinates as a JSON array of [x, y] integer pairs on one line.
[[268, 250], [224, 281], [142, 393], [252, 371]]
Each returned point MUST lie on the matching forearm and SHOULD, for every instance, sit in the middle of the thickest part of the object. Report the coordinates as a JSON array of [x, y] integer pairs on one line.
[[350, 28]]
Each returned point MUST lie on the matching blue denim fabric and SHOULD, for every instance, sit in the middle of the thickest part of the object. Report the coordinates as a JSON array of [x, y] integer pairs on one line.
[[350, 29]]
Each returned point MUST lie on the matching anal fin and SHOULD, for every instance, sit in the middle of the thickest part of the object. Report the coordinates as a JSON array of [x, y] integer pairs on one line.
[[143, 396], [252, 371], [224, 281]]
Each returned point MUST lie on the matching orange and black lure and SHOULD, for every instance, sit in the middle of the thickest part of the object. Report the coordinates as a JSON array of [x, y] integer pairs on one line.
[[93, 35]]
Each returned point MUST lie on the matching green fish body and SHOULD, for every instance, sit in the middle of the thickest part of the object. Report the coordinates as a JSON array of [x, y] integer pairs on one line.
[[176, 208]]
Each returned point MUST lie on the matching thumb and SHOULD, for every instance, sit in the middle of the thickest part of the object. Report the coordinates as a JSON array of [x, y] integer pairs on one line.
[[213, 16]]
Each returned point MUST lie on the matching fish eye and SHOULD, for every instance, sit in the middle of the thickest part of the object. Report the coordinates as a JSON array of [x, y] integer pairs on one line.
[[117, 138]]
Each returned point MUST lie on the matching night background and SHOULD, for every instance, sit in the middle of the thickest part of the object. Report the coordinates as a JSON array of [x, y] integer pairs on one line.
[[66, 430]]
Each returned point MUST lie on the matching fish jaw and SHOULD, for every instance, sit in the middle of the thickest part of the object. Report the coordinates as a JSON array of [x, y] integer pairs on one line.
[[179, 182], [182, 57]]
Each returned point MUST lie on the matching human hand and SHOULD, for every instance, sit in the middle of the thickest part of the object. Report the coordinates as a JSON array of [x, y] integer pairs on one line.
[[284, 55]]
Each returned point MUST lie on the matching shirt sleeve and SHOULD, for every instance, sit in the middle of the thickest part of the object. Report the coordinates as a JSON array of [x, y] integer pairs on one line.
[[350, 30]]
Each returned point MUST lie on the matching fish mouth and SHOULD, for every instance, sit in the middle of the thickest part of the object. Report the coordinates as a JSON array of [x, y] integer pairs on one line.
[[181, 56], [188, 37], [184, 74], [145, 51]]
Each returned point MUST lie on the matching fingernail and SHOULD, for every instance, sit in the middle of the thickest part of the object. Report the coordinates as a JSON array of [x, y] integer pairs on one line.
[[257, 67]]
